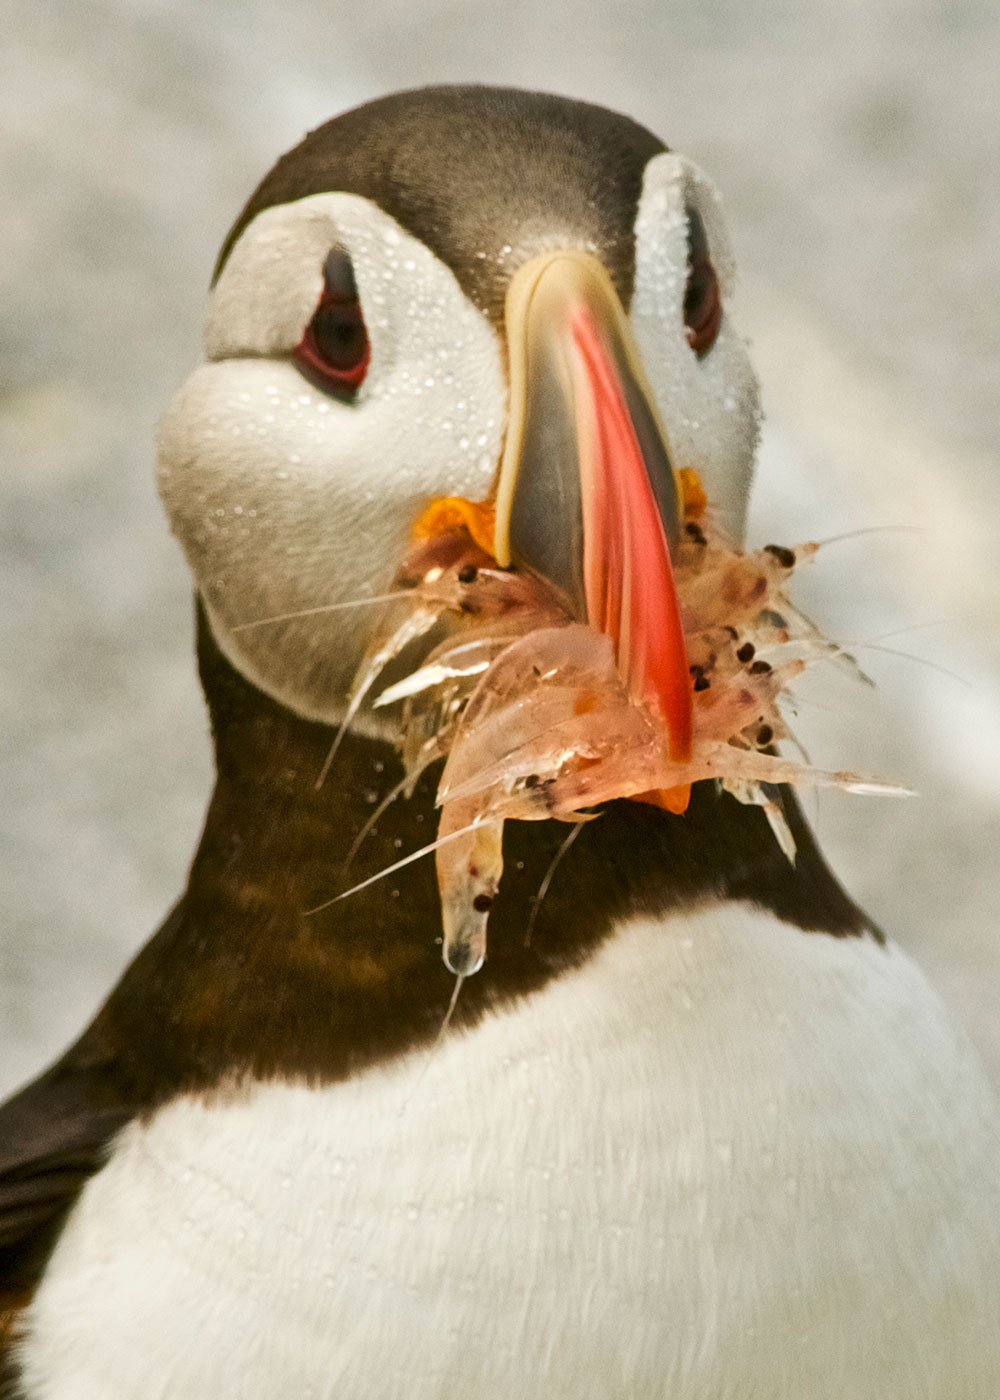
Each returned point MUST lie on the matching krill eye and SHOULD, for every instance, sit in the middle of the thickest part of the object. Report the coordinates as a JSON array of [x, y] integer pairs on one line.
[[702, 298], [334, 352]]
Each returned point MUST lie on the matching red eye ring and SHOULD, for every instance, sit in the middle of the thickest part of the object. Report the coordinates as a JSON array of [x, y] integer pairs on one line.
[[334, 351], [702, 296]]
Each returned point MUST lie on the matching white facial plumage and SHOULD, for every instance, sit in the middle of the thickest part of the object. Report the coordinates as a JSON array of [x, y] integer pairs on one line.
[[286, 499], [709, 405]]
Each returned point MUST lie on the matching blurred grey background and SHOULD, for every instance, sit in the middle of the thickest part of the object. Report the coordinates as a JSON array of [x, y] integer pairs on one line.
[[858, 147]]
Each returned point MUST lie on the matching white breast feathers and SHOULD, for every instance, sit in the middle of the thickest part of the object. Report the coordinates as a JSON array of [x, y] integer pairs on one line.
[[724, 1158]]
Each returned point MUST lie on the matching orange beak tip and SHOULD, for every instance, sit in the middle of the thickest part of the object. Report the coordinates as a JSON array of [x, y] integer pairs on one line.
[[674, 800]]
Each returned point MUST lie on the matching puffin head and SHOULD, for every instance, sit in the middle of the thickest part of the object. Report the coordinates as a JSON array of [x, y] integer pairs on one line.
[[396, 316]]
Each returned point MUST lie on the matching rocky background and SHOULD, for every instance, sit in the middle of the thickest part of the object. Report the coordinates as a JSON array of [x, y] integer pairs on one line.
[[858, 146]]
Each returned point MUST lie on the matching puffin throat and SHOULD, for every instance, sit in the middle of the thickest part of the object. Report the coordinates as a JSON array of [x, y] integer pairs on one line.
[[265, 990]]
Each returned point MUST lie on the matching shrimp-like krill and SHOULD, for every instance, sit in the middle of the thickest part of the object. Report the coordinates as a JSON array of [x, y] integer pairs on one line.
[[526, 705]]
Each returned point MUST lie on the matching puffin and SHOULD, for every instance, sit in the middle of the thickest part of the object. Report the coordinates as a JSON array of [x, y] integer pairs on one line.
[[694, 1127]]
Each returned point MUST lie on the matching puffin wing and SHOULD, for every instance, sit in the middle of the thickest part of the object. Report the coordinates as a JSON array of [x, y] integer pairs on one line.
[[54, 1135]]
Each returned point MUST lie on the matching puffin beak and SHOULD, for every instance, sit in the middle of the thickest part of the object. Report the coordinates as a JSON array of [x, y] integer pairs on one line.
[[586, 495]]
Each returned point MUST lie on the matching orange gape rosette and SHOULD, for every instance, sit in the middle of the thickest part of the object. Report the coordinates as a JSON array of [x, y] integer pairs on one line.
[[528, 709]]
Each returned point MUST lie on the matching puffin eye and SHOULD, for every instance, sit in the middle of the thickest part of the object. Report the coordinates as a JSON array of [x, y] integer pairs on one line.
[[702, 300], [333, 353]]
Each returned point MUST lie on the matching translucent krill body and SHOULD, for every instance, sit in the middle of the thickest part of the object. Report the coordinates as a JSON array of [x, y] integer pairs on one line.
[[527, 707]]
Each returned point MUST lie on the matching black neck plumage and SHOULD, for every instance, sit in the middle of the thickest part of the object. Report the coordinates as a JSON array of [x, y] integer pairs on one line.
[[247, 982]]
